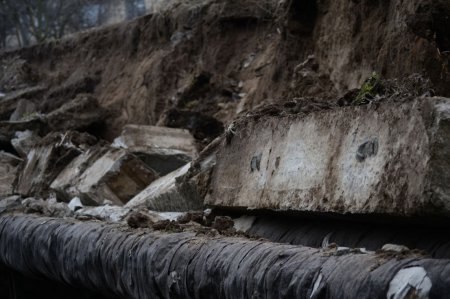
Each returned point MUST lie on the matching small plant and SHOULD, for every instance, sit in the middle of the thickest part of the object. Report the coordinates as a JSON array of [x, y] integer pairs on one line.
[[230, 131], [29, 115], [369, 90]]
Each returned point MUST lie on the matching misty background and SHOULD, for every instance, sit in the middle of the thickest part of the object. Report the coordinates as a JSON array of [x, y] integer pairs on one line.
[[26, 22]]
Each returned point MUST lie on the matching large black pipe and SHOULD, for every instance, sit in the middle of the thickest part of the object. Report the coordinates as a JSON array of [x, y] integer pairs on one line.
[[117, 261]]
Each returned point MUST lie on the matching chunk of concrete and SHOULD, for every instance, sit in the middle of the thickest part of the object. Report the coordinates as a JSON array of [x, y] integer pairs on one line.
[[24, 142], [390, 158], [45, 161], [162, 149], [168, 193], [100, 174], [9, 165], [181, 190], [10, 203]]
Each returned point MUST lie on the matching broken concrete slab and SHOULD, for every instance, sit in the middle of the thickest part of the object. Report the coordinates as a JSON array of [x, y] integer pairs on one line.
[[103, 174], [9, 165], [168, 193], [181, 190], [389, 158], [64, 184], [24, 142], [45, 161], [162, 149], [81, 113]]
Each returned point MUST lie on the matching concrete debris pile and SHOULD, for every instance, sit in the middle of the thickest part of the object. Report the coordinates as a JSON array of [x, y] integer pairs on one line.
[[232, 150]]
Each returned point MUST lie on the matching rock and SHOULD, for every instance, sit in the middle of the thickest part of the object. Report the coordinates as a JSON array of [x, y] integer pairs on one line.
[[390, 158], [80, 114], [50, 207], [162, 149], [105, 213], [75, 204], [394, 247], [9, 165], [24, 141], [9, 203], [99, 174], [48, 159], [135, 218], [25, 108]]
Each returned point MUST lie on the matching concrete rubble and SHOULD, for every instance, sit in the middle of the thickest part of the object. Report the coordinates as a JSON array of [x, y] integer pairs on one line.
[[162, 149], [113, 175], [24, 141], [48, 158]]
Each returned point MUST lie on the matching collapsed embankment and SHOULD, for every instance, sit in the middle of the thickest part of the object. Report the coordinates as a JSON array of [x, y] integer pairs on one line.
[[319, 148]]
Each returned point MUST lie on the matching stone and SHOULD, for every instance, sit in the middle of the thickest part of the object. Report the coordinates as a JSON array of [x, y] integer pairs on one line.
[[25, 108], [9, 165], [104, 213], [389, 158], [394, 248], [75, 204], [48, 158], [112, 174], [24, 141], [162, 149], [9, 203]]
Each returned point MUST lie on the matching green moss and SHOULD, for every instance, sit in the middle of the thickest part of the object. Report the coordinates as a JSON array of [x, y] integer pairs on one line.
[[369, 90]]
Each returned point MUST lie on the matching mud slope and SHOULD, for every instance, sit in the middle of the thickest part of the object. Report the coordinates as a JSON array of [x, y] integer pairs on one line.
[[217, 58]]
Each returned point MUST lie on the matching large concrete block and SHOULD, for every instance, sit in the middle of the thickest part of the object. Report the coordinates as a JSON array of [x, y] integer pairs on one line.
[[114, 175], [391, 158], [162, 149]]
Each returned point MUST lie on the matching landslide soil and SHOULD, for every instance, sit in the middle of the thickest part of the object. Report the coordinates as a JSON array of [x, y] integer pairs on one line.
[[200, 63]]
